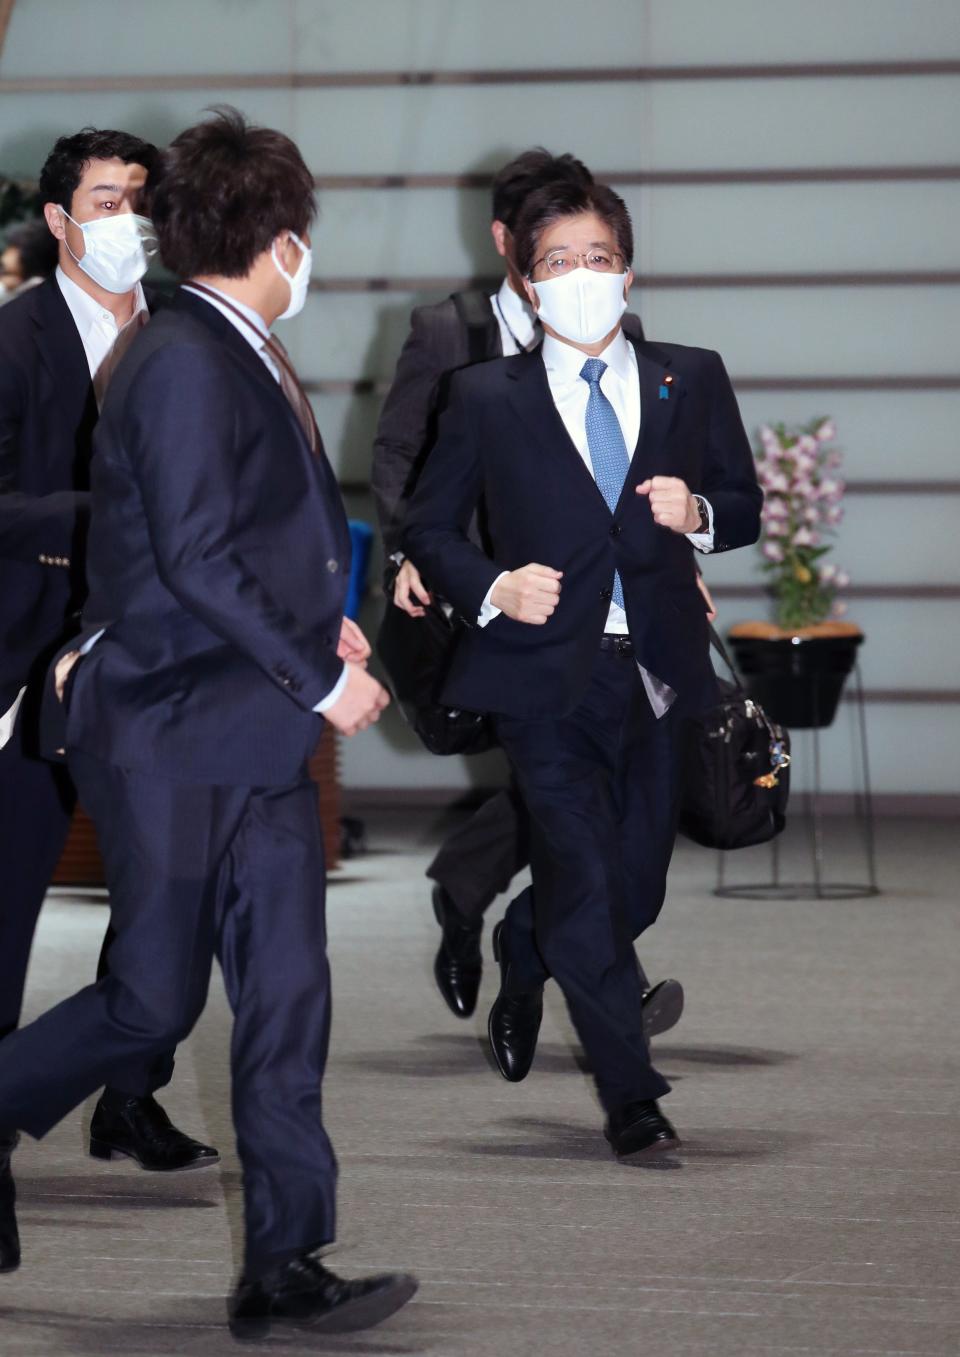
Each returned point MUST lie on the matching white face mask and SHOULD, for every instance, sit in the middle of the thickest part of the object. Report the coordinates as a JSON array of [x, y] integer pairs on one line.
[[582, 306], [299, 281], [116, 250]]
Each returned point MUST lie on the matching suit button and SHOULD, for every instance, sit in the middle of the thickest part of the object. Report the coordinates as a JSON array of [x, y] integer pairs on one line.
[[606, 595], [616, 530], [333, 566]]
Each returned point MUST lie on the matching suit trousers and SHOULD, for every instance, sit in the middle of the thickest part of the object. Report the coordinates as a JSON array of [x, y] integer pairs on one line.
[[37, 800], [483, 855], [601, 788], [195, 872], [36, 803]]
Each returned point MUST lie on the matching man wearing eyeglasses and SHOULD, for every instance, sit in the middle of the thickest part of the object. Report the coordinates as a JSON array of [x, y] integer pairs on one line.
[[481, 856], [603, 463]]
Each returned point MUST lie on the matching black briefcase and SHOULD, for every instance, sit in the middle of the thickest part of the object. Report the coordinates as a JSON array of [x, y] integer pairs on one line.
[[735, 775], [416, 654]]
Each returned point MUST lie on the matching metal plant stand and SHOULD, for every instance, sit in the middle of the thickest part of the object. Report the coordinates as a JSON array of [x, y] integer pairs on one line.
[[819, 887]]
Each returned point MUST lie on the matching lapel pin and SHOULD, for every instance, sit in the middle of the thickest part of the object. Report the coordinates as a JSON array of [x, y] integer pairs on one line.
[[665, 387]]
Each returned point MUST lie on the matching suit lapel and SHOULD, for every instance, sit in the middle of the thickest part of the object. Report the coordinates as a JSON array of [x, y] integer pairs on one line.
[[656, 415], [532, 401], [61, 350]]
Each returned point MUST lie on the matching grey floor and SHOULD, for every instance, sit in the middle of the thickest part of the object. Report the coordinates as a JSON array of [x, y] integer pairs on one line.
[[815, 1210]]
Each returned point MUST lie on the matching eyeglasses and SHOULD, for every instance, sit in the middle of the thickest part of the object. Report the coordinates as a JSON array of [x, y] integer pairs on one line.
[[559, 262]]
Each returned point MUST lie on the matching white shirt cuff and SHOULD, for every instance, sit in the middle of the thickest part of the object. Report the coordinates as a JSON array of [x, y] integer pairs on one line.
[[334, 692], [703, 541], [488, 610]]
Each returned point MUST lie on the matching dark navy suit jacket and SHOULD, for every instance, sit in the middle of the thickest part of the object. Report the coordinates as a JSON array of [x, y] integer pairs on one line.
[[47, 416], [217, 562], [502, 439]]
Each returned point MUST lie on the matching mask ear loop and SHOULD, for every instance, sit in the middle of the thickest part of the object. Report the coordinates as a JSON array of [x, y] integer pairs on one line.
[[66, 242]]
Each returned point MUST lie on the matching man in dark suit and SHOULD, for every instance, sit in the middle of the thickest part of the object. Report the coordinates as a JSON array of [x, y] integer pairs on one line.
[[481, 856], [212, 640], [602, 463], [59, 343]]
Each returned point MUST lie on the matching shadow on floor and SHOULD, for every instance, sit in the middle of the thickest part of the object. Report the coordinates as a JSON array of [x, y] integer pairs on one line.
[[206, 1335], [93, 1190], [441, 1054], [558, 1140], [730, 1057]]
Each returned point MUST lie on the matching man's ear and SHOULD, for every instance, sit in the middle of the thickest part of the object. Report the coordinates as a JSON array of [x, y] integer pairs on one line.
[[531, 292], [499, 232], [627, 284], [54, 219]]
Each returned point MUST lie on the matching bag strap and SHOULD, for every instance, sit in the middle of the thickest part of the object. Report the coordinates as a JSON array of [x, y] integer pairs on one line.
[[476, 313], [721, 650]]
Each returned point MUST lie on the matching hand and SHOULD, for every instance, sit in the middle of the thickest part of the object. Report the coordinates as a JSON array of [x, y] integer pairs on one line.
[[353, 645], [708, 598], [530, 594], [408, 582], [360, 703], [671, 503]]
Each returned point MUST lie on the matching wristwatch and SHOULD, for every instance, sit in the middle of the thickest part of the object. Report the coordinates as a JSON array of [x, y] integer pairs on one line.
[[704, 515]]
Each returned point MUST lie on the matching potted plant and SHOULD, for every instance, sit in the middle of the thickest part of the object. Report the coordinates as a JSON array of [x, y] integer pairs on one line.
[[796, 666]]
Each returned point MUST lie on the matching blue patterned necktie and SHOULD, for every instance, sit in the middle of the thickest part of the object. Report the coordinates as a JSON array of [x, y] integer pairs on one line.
[[608, 451]]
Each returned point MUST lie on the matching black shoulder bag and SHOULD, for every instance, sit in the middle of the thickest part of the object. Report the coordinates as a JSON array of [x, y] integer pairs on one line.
[[735, 775]]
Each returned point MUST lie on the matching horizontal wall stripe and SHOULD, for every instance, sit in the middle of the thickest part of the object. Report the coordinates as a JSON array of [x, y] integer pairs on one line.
[[903, 487], [345, 386], [864, 591], [815, 174], [660, 281], [914, 696], [546, 75], [891, 487]]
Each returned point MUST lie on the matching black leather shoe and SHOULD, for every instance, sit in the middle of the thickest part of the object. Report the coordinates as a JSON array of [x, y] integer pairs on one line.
[[514, 1022], [459, 963], [303, 1294], [662, 1007], [9, 1235], [640, 1129], [140, 1129]]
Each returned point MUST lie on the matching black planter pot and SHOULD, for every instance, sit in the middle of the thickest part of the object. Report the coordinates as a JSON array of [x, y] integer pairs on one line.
[[797, 680]]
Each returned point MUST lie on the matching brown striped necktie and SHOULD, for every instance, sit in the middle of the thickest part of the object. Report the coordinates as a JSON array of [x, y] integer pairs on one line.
[[290, 383]]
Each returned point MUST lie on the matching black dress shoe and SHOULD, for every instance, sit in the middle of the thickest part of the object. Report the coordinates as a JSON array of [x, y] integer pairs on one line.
[[662, 1007], [459, 964], [514, 1022], [640, 1129], [9, 1236], [140, 1129], [303, 1294]]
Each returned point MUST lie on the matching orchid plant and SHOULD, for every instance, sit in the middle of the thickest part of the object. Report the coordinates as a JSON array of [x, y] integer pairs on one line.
[[798, 469]]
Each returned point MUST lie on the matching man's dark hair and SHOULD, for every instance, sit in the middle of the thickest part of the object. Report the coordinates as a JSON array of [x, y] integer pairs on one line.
[[36, 246], [66, 163], [224, 192], [528, 172], [553, 201]]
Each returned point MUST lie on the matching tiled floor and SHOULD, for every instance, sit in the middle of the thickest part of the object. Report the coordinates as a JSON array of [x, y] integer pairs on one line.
[[815, 1210]]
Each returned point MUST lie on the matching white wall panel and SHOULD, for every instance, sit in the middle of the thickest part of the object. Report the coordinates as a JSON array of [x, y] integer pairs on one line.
[[890, 331], [55, 37]]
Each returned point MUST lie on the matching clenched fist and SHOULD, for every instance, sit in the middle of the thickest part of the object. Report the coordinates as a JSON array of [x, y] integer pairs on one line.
[[530, 594], [671, 503], [360, 703]]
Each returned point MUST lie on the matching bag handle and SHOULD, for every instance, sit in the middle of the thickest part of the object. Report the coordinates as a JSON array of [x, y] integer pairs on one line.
[[721, 650]]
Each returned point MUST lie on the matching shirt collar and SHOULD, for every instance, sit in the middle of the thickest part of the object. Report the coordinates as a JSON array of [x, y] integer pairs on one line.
[[520, 317], [254, 317], [563, 362], [86, 310]]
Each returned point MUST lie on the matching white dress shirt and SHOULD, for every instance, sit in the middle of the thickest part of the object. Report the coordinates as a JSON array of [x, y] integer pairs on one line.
[[517, 320], [620, 384], [97, 327], [261, 329]]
